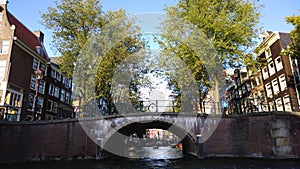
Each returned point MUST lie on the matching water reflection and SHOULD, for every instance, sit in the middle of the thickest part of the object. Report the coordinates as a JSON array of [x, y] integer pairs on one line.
[[161, 158], [165, 152]]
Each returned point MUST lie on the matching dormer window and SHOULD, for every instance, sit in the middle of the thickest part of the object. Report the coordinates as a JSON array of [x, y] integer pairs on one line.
[[268, 53], [40, 50]]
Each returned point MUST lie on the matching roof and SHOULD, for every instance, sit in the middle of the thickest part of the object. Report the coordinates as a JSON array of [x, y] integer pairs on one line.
[[285, 39], [25, 35], [55, 60]]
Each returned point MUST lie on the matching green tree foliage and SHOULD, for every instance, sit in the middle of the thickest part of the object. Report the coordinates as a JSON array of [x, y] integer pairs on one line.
[[226, 26], [71, 22], [93, 44], [294, 47], [231, 25]]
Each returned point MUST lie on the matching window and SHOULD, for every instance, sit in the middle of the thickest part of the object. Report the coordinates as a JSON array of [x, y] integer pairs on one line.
[[257, 81], [70, 83], [13, 99], [282, 82], [4, 47], [68, 98], [268, 53], [39, 104], [272, 106], [278, 63], [287, 103], [64, 80], [269, 90], [51, 89], [1, 16], [58, 76], [42, 86], [43, 68], [275, 86], [55, 107], [56, 92], [279, 106], [49, 105], [32, 82], [62, 95], [53, 73], [35, 64], [271, 68], [265, 73], [40, 50], [30, 102]]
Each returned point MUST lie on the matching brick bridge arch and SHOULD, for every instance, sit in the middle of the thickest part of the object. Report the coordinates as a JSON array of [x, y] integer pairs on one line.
[[113, 130]]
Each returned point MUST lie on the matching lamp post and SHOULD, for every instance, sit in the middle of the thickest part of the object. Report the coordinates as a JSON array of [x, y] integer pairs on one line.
[[38, 76]]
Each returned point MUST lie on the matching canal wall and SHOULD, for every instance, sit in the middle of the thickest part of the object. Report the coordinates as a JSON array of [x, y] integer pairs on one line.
[[272, 135], [41, 141], [265, 135]]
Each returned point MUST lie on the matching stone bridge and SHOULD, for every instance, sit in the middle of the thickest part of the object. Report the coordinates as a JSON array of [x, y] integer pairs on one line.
[[114, 130], [261, 135]]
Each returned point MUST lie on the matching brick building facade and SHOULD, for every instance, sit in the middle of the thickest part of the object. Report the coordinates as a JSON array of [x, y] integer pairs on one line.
[[23, 94]]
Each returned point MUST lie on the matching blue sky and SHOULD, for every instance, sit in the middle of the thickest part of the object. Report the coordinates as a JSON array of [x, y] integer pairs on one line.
[[28, 12]]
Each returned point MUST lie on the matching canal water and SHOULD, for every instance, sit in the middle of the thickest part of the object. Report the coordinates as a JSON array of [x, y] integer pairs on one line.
[[161, 158]]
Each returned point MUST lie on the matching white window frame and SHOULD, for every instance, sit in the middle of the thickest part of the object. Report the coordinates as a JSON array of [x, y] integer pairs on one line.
[[56, 92], [58, 76], [265, 73], [29, 101], [268, 87], [51, 89], [279, 105], [287, 103], [275, 86], [42, 86], [268, 53], [53, 73], [55, 107], [68, 97], [33, 82], [4, 47], [35, 64], [41, 104], [278, 64], [62, 95], [282, 82], [271, 68]]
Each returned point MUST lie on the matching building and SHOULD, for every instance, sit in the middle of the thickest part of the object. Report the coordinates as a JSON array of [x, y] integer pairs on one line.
[[245, 92], [25, 72], [275, 87], [59, 102], [279, 73]]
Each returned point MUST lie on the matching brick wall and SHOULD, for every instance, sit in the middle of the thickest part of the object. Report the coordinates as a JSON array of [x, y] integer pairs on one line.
[[261, 136]]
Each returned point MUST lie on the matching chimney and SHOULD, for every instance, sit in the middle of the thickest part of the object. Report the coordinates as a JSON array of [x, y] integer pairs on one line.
[[40, 35]]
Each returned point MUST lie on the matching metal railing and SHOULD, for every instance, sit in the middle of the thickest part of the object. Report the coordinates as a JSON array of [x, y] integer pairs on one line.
[[256, 105]]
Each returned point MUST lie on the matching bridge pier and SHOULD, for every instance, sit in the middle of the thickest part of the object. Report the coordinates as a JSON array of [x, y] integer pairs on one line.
[[99, 149], [200, 148]]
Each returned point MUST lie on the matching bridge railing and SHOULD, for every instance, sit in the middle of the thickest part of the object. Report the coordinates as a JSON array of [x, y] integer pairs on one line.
[[152, 106]]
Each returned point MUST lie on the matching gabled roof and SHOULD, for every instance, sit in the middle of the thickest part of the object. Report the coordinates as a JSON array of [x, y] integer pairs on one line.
[[26, 36], [285, 39]]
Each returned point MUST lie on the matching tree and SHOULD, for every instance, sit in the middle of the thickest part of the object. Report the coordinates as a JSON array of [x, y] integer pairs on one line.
[[294, 47], [71, 22], [92, 44], [226, 26]]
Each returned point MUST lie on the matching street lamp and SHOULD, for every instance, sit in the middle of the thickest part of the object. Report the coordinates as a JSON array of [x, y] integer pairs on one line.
[[38, 76]]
